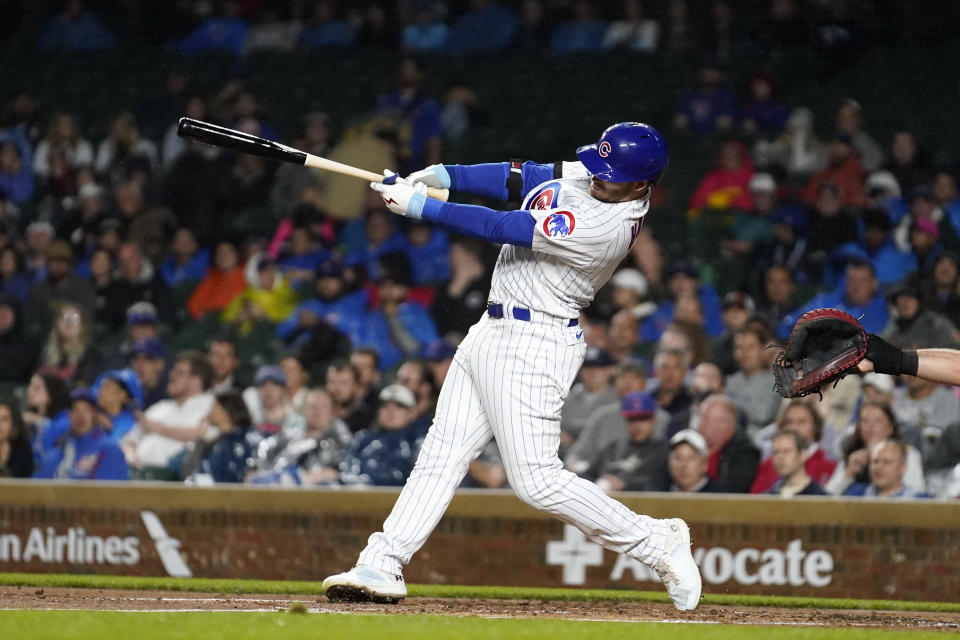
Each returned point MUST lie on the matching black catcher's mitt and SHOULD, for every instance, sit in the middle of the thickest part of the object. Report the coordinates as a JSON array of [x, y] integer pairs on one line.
[[825, 345]]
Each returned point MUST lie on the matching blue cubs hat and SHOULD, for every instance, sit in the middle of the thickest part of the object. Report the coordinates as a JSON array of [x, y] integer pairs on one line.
[[639, 404], [626, 152]]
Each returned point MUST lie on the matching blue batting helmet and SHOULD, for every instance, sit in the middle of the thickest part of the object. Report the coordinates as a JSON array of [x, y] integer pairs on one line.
[[627, 151]]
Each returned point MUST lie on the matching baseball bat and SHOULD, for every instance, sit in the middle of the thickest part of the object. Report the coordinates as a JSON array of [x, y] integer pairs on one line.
[[241, 142]]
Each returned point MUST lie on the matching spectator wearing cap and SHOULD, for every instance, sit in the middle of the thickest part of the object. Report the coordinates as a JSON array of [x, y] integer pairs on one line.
[[18, 352], [687, 463], [630, 290], [267, 402], [922, 206], [187, 262], [779, 295], [224, 453], [888, 467], [638, 462], [606, 425], [803, 419], [849, 120], [787, 249], [60, 285], [915, 324], [751, 387], [788, 459], [224, 359], [737, 307], [383, 455], [843, 170], [876, 245], [463, 297], [860, 297], [593, 391], [88, 452], [882, 191], [119, 396], [223, 282], [395, 328], [267, 297], [319, 320], [142, 320], [298, 376], [684, 278], [153, 448], [732, 458], [439, 356], [146, 358], [136, 281], [725, 187]]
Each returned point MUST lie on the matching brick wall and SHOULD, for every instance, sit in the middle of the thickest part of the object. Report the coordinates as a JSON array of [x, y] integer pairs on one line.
[[815, 547]]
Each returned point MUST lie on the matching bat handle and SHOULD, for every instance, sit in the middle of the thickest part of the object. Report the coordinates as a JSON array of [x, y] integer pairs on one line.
[[439, 194]]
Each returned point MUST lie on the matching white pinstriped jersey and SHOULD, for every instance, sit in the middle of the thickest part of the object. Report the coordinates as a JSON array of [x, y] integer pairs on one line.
[[578, 241]]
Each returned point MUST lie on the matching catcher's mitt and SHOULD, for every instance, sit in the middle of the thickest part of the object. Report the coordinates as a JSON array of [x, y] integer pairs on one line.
[[825, 345]]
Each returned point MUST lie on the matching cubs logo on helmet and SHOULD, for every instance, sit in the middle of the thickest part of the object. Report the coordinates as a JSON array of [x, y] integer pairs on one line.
[[559, 224], [603, 149]]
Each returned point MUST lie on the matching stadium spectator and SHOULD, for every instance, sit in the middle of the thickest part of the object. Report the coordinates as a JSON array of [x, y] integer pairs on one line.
[[226, 31], [843, 170], [148, 226], [709, 108], [119, 397], [830, 224], [635, 31], [940, 292], [70, 352], [224, 360], [15, 282], [297, 375], [762, 113], [737, 308], [925, 242], [797, 151], [173, 146], [670, 368], [788, 248], [153, 448], [593, 391], [413, 109], [486, 470], [751, 387], [16, 168], [752, 227], [60, 154], [223, 451], [87, 452], [778, 295], [923, 409], [414, 374], [273, 28], [136, 281], [366, 361], [187, 263], [267, 296], [883, 192], [18, 352], [888, 467], [313, 321], [221, 284], [427, 31], [371, 238], [46, 413], [706, 379], [789, 459], [326, 29], [16, 455], [146, 358], [61, 285], [267, 402], [876, 245], [849, 120], [639, 462], [684, 277], [914, 324], [486, 26], [383, 455], [727, 185], [463, 298], [583, 32], [75, 29], [124, 152], [630, 289], [427, 248], [732, 460], [303, 255], [533, 32], [687, 463], [309, 456], [908, 161], [801, 418], [438, 356], [875, 424], [343, 385]]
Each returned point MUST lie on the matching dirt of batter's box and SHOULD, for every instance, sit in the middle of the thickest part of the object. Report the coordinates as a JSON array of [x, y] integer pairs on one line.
[[109, 600]]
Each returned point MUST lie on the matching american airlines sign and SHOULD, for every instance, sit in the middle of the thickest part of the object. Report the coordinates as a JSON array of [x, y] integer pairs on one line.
[[792, 566], [75, 546]]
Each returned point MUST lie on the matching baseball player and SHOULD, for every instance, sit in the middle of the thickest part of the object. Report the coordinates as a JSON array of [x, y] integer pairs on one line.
[[511, 374]]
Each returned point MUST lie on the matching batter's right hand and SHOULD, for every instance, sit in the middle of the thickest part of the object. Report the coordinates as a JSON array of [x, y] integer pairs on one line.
[[435, 175]]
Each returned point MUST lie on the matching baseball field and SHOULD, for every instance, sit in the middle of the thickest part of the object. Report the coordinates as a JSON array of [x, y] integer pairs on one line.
[[95, 607]]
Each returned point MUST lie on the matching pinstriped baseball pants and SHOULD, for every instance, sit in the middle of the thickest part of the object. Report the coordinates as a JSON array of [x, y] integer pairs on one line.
[[508, 380]]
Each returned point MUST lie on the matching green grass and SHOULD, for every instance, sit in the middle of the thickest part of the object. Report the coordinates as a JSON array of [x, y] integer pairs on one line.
[[208, 585], [97, 625]]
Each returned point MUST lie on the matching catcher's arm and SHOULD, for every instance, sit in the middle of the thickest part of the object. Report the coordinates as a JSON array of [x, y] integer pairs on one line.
[[936, 365]]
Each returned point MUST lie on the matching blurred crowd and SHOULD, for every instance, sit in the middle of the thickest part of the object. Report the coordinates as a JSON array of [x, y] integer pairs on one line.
[[169, 311]]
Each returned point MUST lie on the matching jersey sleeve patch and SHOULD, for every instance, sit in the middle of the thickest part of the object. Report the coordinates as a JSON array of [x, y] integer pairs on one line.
[[559, 224]]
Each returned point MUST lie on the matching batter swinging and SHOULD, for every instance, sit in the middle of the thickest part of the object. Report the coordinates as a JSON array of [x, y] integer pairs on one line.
[[512, 372]]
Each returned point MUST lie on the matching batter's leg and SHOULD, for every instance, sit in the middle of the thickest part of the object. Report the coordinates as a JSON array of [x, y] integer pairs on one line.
[[459, 431]]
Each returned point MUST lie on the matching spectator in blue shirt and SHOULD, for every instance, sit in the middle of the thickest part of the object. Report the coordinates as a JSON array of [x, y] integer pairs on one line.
[[119, 396], [419, 117], [16, 167], [877, 247], [326, 29], [303, 258], [583, 33], [75, 29], [888, 463], [227, 455], [708, 108], [685, 279], [861, 297], [384, 454], [332, 306], [187, 262], [427, 32], [368, 239], [227, 31], [488, 26], [428, 247], [88, 452]]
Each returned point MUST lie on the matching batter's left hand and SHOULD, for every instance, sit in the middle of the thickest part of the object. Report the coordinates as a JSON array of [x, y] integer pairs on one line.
[[400, 197]]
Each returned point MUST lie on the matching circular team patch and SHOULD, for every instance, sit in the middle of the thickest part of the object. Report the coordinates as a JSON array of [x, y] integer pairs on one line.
[[604, 149], [544, 199], [559, 224]]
